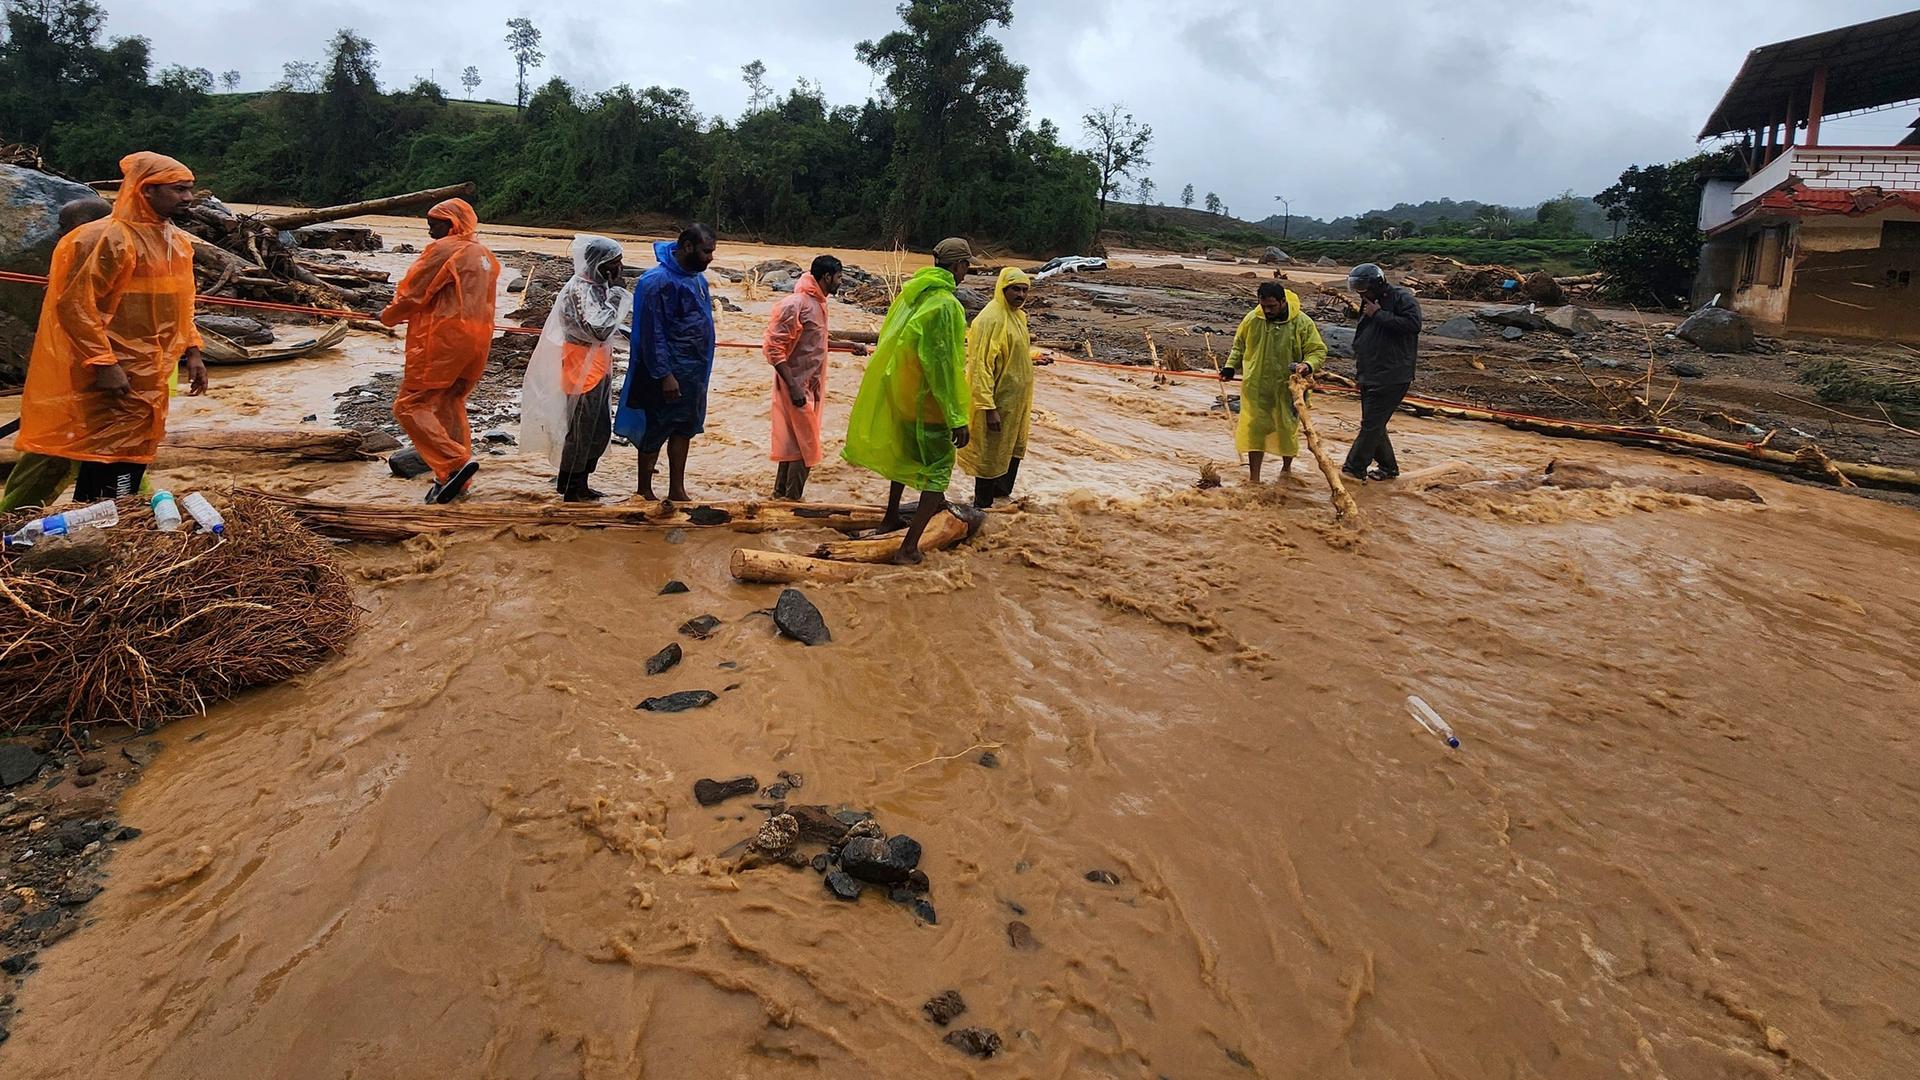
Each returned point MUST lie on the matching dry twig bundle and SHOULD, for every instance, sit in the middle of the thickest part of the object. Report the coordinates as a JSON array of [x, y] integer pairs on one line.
[[167, 623]]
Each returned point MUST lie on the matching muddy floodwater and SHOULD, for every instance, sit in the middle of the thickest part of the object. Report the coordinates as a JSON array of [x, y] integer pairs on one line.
[[1680, 838]]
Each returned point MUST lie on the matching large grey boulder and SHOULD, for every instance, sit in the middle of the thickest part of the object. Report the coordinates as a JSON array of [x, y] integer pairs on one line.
[[1459, 328], [30, 203], [1519, 318], [1273, 256], [1717, 330], [1339, 340]]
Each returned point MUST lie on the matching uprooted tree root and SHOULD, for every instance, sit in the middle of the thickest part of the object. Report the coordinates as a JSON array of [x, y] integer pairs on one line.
[[157, 626]]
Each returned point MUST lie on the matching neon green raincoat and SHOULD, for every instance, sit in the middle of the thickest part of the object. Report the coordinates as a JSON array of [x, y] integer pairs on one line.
[[1264, 354], [999, 376], [915, 390]]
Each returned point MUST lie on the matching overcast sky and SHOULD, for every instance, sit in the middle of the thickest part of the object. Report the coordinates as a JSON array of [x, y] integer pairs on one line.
[[1340, 107]]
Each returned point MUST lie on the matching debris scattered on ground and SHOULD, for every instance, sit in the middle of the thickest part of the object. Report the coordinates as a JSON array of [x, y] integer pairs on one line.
[[709, 792], [797, 618], [977, 1042], [700, 628], [674, 588], [1103, 877], [1020, 936], [787, 784], [989, 760], [663, 661], [945, 1007], [679, 701]]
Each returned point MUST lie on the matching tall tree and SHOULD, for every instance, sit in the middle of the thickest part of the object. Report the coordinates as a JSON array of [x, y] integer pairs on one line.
[[1213, 204], [1654, 261], [956, 98], [230, 81], [302, 76], [1120, 146], [1145, 188], [758, 93], [1186, 196], [523, 41], [346, 120], [470, 80]]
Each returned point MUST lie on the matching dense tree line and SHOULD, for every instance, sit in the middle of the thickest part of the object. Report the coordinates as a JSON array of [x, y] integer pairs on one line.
[[945, 149]]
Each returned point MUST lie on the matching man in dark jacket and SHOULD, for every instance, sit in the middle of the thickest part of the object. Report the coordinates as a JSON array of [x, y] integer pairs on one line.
[[1384, 349]]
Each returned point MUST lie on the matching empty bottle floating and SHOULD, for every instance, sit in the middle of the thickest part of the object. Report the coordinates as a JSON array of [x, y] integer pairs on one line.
[[1430, 720]]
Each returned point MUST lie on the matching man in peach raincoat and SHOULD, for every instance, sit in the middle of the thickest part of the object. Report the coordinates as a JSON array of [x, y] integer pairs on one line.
[[446, 300], [796, 346], [116, 323]]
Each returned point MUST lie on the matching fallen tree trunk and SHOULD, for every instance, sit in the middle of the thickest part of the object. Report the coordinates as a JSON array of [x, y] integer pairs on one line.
[[1344, 507], [1667, 438], [388, 522], [847, 560], [189, 446], [301, 218]]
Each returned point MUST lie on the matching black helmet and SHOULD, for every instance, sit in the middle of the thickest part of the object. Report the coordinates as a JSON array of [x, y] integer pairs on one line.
[[1365, 277]]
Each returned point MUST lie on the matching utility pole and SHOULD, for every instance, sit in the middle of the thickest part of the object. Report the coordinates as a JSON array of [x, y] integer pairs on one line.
[[1286, 214]]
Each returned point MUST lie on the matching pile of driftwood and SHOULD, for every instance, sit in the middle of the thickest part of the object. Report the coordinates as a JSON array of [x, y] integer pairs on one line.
[[256, 257]]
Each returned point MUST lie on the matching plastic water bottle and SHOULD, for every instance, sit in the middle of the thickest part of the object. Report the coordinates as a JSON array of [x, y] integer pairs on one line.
[[166, 511], [204, 514], [101, 515], [1430, 720]]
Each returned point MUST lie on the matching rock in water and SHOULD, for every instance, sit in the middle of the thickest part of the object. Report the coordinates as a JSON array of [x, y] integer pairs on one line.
[[843, 887], [19, 764], [680, 701], [1020, 936], [664, 660], [700, 629], [714, 792], [945, 1007], [1459, 328], [1717, 330], [979, 1042], [1103, 877], [707, 515], [797, 618], [777, 835], [923, 910], [881, 862], [674, 588], [818, 825]]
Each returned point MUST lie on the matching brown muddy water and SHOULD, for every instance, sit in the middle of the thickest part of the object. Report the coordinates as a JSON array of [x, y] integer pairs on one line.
[[1680, 839]]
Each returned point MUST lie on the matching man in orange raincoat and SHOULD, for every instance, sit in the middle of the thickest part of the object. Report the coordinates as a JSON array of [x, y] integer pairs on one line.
[[117, 321], [796, 346], [446, 300]]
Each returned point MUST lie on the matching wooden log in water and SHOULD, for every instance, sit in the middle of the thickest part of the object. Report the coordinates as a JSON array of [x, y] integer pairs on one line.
[[781, 568], [191, 445], [943, 532], [384, 522], [1343, 505], [848, 559]]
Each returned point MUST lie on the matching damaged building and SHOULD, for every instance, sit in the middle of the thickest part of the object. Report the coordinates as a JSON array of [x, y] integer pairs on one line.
[[1810, 238]]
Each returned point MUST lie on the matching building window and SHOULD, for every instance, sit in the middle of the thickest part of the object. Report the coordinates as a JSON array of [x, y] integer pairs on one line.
[[1750, 260], [1765, 262]]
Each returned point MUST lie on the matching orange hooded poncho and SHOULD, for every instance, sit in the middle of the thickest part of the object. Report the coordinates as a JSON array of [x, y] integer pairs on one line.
[[120, 291], [446, 300]]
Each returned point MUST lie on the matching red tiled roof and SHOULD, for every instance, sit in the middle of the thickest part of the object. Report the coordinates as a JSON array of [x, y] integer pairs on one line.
[[1817, 202]]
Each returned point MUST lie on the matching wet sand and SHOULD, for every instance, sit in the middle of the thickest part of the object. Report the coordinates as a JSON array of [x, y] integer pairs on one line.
[[1679, 840]]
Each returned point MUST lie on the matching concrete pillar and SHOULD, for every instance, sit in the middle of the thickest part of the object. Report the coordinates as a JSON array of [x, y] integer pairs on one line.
[[1793, 123], [1816, 104]]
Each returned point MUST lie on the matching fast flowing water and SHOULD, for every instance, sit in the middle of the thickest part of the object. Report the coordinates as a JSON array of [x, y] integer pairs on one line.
[[1679, 841]]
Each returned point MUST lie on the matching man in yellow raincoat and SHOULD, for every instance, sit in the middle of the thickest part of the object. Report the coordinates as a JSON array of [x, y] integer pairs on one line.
[[1276, 340], [116, 324], [911, 413], [1000, 385]]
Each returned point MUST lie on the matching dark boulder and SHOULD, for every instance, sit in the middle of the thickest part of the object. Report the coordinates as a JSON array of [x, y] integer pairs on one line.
[[945, 1007], [1717, 330], [881, 862], [680, 701], [702, 628], [978, 1042], [798, 619], [664, 660], [709, 792]]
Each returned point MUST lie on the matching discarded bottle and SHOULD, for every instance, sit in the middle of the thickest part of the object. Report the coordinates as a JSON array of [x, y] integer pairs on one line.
[[166, 511], [101, 515], [1430, 720], [204, 514]]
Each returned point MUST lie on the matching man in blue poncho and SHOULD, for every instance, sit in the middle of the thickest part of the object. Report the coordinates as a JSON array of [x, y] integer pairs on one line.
[[664, 401]]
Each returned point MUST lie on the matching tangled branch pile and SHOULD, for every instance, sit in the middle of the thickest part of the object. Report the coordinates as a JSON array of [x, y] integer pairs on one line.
[[147, 626]]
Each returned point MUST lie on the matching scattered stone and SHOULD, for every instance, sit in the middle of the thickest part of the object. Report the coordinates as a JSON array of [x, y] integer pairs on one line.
[[1459, 328], [919, 882], [1686, 369], [79, 894], [1239, 1058], [1324, 261], [1016, 907], [664, 660], [923, 910], [702, 628], [1513, 333], [1717, 330], [408, 464], [843, 887], [85, 781], [1103, 877], [855, 817], [1540, 288], [880, 862], [1273, 256], [17, 963], [680, 701], [127, 833], [945, 1007], [19, 764], [497, 437], [1574, 319], [1339, 340], [707, 515], [989, 760], [715, 792], [1020, 936], [238, 329], [777, 836], [820, 863], [818, 825], [674, 588], [10, 903], [1517, 317], [797, 618], [677, 536], [978, 1042]]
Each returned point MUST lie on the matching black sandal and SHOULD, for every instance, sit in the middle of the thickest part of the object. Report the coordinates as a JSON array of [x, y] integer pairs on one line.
[[456, 485]]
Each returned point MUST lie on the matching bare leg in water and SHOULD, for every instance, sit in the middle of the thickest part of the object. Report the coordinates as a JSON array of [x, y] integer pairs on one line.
[[648, 462], [893, 520], [677, 448], [931, 503]]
